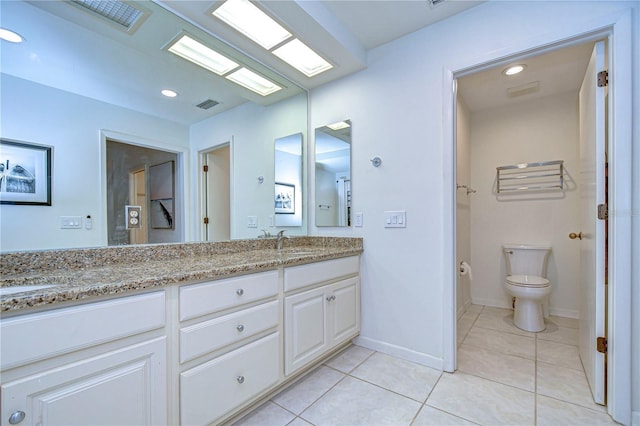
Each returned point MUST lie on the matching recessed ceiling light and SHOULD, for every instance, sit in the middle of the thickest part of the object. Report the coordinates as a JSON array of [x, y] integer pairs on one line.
[[515, 69], [301, 57], [169, 93], [10, 36], [252, 81], [339, 125], [251, 21], [196, 52]]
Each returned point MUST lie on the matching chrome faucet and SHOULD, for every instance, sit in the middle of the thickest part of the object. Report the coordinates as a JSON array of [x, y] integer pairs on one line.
[[279, 239]]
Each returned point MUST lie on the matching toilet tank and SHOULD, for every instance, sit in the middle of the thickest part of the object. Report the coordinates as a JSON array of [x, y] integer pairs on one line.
[[526, 259]]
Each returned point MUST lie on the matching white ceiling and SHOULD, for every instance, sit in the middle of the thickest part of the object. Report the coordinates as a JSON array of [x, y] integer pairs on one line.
[[72, 50]]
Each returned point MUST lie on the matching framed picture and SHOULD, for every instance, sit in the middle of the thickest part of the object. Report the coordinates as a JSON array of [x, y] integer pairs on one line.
[[162, 214], [285, 197], [161, 181], [25, 173]]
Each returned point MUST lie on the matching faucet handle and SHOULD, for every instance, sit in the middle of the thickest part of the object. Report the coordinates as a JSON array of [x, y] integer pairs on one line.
[[281, 233]]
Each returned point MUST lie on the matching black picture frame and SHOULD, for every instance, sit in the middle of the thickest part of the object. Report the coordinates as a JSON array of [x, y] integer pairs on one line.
[[284, 198], [25, 173]]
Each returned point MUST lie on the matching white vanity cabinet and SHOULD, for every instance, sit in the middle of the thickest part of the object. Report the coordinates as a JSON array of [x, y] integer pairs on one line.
[[99, 363], [321, 318], [230, 344]]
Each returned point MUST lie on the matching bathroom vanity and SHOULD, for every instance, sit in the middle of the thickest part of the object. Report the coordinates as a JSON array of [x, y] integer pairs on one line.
[[198, 337]]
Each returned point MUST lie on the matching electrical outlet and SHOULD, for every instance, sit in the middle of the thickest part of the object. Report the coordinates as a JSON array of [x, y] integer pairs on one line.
[[134, 216]]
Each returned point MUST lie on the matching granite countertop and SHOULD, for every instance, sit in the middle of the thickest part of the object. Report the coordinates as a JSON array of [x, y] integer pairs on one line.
[[80, 274]]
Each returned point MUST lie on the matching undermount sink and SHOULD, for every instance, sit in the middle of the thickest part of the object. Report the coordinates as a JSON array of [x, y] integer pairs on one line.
[[5, 291]]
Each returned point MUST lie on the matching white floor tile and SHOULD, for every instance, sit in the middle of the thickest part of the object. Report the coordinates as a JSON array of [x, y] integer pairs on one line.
[[463, 327], [502, 322], [482, 401], [354, 402], [507, 369], [563, 322], [565, 384], [349, 359], [499, 341], [268, 414], [299, 422], [304, 393], [552, 412], [409, 379], [430, 416], [559, 354], [558, 334]]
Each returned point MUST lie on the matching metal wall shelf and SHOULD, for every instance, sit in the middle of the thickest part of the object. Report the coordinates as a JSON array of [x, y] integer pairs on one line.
[[545, 175]]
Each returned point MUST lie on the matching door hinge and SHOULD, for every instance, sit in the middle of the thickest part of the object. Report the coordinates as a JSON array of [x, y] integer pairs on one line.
[[601, 345], [603, 212], [603, 78], [205, 168], [206, 220]]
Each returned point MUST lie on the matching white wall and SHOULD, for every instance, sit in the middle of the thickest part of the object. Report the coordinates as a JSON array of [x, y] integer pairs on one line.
[[396, 106], [539, 130], [463, 204], [252, 130], [71, 124]]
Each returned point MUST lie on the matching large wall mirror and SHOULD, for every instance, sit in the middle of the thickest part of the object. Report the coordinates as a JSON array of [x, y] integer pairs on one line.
[[333, 174], [77, 77]]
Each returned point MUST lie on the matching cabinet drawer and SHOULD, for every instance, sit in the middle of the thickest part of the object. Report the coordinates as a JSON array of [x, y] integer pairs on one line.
[[214, 388], [64, 330], [208, 336], [206, 298], [304, 275]]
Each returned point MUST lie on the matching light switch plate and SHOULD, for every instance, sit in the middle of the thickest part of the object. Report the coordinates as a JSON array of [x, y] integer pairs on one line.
[[70, 222], [395, 219], [252, 222], [357, 220]]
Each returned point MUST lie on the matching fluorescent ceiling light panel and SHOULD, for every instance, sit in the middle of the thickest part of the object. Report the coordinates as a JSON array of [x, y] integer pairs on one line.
[[252, 22], [199, 54], [301, 57], [117, 12], [252, 81], [339, 125]]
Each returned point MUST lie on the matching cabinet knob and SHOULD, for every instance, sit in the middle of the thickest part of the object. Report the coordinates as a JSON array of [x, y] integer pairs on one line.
[[239, 292], [16, 417], [240, 328], [240, 379]]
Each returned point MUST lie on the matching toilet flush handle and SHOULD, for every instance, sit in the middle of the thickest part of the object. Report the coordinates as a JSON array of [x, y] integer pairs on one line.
[[573, 235]]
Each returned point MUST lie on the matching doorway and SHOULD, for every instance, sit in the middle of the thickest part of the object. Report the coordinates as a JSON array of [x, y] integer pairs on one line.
[[216, 193], [532, 120]]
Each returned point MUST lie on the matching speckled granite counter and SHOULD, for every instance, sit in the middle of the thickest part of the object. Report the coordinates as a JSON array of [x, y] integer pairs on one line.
[[79, 274]]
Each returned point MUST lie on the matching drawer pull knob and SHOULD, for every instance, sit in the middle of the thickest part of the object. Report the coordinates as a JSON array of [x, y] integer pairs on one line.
[[240, 328], [240, 379], [16, 417], [239, 292]]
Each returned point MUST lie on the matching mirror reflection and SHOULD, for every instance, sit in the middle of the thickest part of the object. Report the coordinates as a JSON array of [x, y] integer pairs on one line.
[[91, 79], [288, 181], [333, 174]]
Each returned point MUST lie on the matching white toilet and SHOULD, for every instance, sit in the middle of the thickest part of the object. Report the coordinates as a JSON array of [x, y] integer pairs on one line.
[[526, 281]]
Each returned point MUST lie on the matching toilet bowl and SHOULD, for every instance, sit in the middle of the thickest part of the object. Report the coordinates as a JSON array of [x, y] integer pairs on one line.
[[530, 291], [526, 281]]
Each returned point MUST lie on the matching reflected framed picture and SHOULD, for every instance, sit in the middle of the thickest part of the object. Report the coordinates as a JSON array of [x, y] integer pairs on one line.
[[25, 173], [161, 213], [285, 198]]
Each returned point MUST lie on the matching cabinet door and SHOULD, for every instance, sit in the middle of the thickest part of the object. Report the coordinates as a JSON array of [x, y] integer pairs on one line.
[[305, 324], [345, 310], [125, 386]]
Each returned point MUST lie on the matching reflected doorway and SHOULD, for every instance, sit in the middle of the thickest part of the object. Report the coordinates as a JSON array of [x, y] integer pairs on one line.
[[217, 193]]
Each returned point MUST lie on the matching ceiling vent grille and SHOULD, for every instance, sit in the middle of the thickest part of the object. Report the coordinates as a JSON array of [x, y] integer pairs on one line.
[[119, 13], [209, 103]]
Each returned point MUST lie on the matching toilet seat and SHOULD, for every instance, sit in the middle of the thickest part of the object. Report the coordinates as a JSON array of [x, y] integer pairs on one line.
[[527, 281]]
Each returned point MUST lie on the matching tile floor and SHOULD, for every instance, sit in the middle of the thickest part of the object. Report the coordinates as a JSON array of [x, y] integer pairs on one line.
[[505, 376]]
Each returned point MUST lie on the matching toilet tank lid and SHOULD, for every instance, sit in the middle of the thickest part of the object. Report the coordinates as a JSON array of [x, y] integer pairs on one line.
[[527, 246]]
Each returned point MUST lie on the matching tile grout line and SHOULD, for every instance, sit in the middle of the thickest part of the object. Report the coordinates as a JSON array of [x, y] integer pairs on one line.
[[535, 382]]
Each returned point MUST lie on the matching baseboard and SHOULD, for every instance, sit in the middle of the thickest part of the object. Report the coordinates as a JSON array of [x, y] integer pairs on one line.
[[491, 302], [400, 352], [567, 313]]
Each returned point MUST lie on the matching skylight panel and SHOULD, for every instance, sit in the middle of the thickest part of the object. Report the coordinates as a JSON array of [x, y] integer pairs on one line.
[[252, 22], [196, 52], [301, 57], [252, 81]]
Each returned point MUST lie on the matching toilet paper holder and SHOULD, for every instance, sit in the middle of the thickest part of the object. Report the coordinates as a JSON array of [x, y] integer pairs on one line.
[[465, 269]]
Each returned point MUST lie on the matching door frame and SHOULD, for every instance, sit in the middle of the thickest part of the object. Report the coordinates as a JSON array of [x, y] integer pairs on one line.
[[617, 30], [202, 188]]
